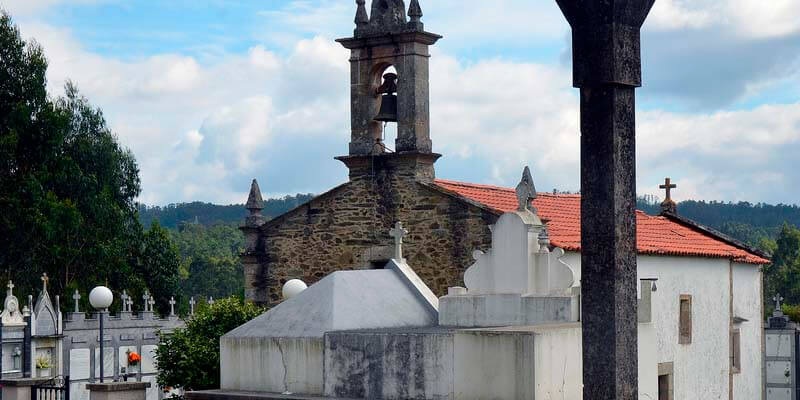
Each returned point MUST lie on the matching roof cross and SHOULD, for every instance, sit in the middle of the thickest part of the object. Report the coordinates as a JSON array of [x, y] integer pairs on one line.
[[397, 233], [191, 305], [668, 185], [124, 296], [10, 287], [77, 296], [45, 279]]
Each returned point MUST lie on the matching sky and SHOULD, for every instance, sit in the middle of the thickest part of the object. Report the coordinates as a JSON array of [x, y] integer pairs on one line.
[[209, 94]]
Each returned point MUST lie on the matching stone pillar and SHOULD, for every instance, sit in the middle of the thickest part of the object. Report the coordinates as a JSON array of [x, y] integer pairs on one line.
[[118, 390], [19, 389], [607, 69], [252, 256]]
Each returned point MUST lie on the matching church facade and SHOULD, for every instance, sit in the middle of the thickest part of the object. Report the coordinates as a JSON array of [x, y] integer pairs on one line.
[[709, 286]]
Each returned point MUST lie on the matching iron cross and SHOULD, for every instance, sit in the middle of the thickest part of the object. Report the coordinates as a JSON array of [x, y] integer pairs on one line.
[[397, 233], [668, 185]]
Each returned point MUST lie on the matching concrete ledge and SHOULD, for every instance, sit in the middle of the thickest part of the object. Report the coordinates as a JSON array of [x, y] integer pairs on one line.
[[23, 382], [237, 395], [117, 386]]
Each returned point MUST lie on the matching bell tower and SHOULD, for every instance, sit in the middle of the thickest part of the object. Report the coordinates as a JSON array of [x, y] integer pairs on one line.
[[388, 37]]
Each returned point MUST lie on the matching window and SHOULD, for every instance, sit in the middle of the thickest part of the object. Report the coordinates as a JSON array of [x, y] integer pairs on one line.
[[736, 351], [685, 320], [665, 374]]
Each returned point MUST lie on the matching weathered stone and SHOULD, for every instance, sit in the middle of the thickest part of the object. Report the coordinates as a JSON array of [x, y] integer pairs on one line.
[[607, 68]]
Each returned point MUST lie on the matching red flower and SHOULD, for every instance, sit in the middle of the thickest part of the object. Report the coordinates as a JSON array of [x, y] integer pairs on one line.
[[133, 358]]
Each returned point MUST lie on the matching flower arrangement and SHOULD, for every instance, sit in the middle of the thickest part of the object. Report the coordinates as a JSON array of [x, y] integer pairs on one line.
[[43, 362], [133, 358]]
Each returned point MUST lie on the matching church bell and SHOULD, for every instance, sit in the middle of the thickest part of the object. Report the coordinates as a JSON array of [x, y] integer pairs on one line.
[[388, 111]]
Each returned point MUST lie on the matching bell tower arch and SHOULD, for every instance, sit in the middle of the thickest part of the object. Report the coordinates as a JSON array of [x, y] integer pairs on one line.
[[389, 37]]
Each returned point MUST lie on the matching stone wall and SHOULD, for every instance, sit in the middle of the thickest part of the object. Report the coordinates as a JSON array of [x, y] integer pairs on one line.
[[348, 228]]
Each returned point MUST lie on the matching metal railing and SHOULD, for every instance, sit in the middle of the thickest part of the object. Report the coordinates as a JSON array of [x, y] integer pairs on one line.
[[54, 389]]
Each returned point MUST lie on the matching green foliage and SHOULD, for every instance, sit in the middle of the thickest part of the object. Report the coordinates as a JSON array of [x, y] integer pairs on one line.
[[793, 312], [173, 215], [67, 188], [210, 264], [159, 265], [189, 358], [783, 275]]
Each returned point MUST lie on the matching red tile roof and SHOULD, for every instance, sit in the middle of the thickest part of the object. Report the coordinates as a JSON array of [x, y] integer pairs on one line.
[[562, 214]]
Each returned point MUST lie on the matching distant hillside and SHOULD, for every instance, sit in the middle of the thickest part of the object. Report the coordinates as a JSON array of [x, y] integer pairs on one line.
[[744, 221], [172, 215]]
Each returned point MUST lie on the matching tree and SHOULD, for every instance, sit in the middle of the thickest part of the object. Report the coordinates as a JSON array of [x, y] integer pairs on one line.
[[159, 265], [783, 275], [189, 358], [67, 188]]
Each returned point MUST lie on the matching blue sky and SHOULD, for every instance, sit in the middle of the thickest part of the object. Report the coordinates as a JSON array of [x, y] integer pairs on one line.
[[210, 94]]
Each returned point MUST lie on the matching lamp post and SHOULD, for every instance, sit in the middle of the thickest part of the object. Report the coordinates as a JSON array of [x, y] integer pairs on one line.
[[101, 298]]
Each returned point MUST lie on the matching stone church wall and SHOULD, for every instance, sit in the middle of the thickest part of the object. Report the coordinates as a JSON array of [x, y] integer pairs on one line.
[[348, 228]]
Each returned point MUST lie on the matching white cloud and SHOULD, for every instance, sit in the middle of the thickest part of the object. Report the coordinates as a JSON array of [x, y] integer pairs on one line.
[[746, 18]]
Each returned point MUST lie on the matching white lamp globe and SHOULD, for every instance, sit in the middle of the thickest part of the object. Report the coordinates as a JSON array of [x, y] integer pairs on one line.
[[101, 298], [293, 288]]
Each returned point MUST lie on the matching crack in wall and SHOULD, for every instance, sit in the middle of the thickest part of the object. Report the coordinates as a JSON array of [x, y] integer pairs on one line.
[[285, 366]]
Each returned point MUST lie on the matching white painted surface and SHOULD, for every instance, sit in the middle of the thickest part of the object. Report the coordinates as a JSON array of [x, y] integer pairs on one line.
[[779, 372], [701, 369], [748, 383], [108, 366], [122, 357], [779, 345], [153, 392]]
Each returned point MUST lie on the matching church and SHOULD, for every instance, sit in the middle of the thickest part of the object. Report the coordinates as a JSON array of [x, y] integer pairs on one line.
[[707, 288]]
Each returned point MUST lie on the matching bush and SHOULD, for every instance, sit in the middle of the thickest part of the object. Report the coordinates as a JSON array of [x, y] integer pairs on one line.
[[188, 359]]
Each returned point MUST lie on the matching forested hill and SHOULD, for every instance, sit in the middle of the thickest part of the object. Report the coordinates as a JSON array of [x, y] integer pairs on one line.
[[744, 221], [172, 215]]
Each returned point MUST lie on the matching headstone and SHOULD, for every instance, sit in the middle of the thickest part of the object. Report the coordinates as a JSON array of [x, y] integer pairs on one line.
[[11, 316], [607, 69], [146, 300], [123, 358], [79, 364], [151, 303], [124, 297]]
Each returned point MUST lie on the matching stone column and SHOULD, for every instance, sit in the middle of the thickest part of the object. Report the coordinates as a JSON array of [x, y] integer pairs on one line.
[[118, 390], [607, 69]]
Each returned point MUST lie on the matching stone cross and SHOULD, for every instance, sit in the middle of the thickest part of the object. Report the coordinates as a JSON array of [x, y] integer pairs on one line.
[[124, 296], [211, 300], [607, 68], [397, 233], [191, 305], [668, 185], [77, 297], [146, 298], [44, 279], [172, 306], [130, 304], [778, 299], [526, 191], [151, 302]]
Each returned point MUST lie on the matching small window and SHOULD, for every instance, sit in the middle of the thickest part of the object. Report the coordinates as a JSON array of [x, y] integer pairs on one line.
[[685, 320], [736, 351]]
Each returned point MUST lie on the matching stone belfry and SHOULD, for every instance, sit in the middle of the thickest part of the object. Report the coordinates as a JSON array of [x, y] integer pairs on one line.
[[388, 37]]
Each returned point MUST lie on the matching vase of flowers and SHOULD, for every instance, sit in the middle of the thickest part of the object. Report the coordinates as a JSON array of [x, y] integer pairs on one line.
[[134, 359], [43, 366]]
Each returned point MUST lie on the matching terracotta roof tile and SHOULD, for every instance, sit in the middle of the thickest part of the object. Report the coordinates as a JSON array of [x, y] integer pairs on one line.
[[562, 213]]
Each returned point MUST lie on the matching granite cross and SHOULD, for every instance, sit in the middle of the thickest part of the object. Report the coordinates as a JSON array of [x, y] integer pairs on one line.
[[191, 305], [124, 296], [172, 306], [130, 304], [397, 233], [778, 299], [146, 297], [77, 296], [44, 281], [607, 68], [10, 287], [668, 185], [151, 302]]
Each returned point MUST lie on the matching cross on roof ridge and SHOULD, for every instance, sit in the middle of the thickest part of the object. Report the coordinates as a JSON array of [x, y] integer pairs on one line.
[[668, 206]]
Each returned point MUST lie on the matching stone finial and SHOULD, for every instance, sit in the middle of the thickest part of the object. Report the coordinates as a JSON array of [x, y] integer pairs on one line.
[[415, 13], [668, 206], [254, 201], [362, 19], [526, 191], [397, 233], [77, 297], [387, 16]]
